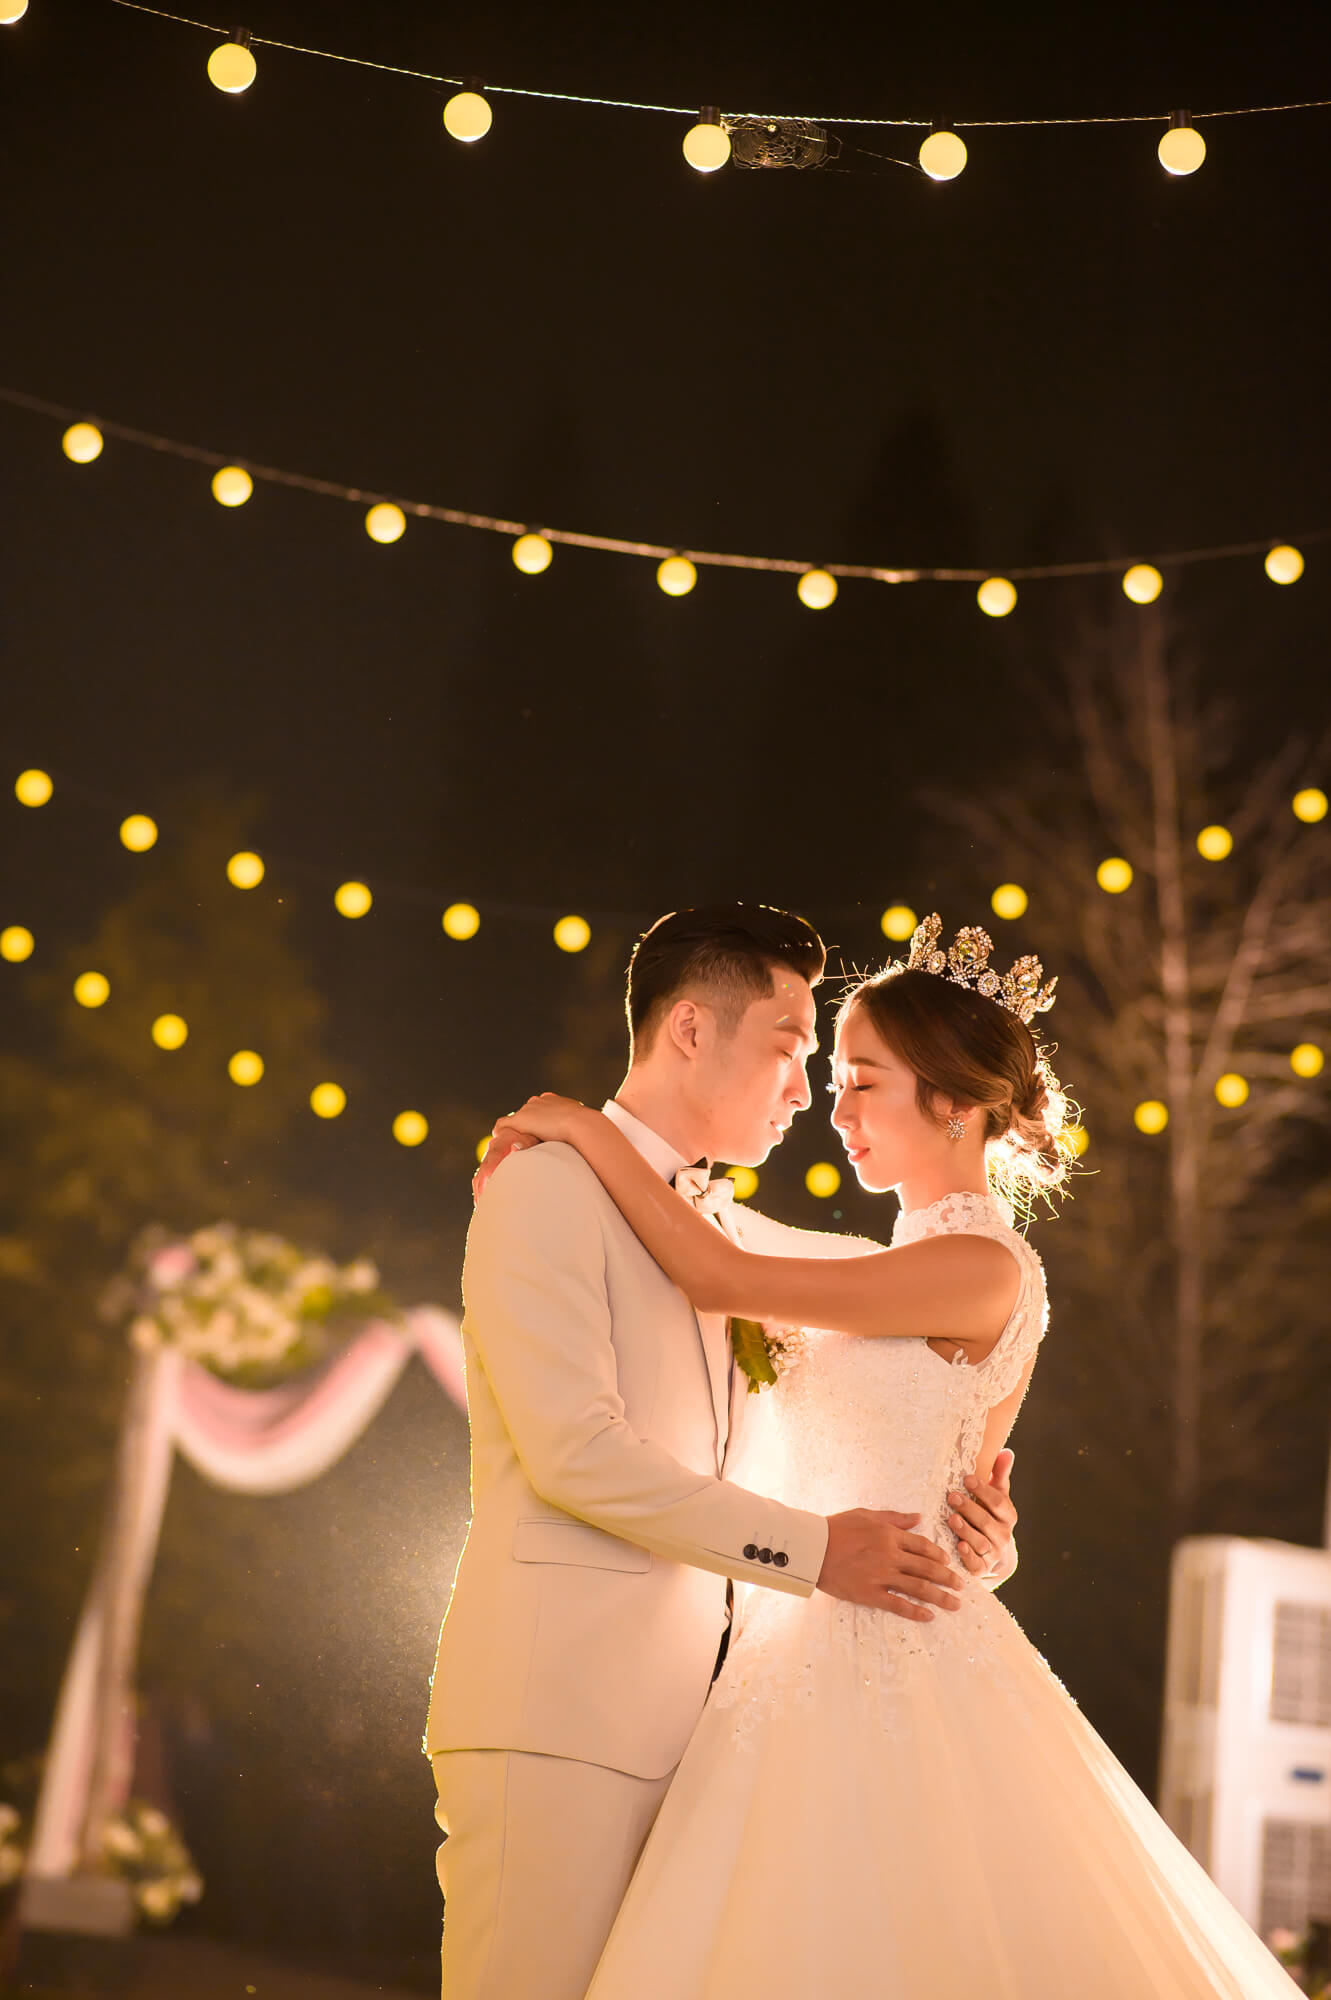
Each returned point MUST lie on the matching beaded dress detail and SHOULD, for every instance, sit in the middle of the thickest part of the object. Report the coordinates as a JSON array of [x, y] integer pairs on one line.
[[887, 1810]]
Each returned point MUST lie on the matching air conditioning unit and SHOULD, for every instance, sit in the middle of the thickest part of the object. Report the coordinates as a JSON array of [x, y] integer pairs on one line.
[[1245, 1778]]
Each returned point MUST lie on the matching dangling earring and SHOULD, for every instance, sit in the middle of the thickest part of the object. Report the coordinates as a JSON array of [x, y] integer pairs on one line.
[[956, 1127]]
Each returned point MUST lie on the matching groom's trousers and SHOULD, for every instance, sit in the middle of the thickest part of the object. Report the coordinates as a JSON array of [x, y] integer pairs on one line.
[[537, 1859]]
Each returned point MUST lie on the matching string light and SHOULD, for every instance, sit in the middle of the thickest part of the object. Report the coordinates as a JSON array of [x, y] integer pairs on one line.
[[409, 1128], [1283, 564], [232, 486], [483, 1147], [572, 933], [1143, 583], [82, 443], [467, 117], [707, 144], [1009, 900], [532, 554], [34, 788], [385, 522], [245, 1067], [231, 67], [822, 1179], [996, 596], [1114, 875], [1306, 1060], [244, 870], [1182, 149], [943, 155], [328, 1100], [676, 576], [817, 589], [16, 944], [1309, 805], [1214, 843], [1078, 1139], [11, 11], [92, 989], [1151, 1117], [352, 899], [746, 1182], [169, 1031], [898, 922], [461, 921], [1231, 1089], [138, 833]]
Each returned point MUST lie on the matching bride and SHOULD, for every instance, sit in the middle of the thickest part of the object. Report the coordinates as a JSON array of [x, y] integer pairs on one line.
[[874, 1809]]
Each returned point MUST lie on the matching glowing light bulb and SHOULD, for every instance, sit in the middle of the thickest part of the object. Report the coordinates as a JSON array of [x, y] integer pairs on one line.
[[1078, 1139], [573, 933], [92, 989], [1143, 584], [1114, 875], [676, 576], [1214, 843], [707, 144], [943, 155], [467, 117], [1182, 149], [138, 833], [822, 1179], [816, 589], [532, 554], [32, 788], [11, 11], [1306, 1060], [1009, 900], [1309, 805], [1231, 1089], [169, 1031], [352, 899], [245, 1067], [483, 1147], [82, 443], [231, 66], [1283, 564], [461, 921], [409, 1128], [244, 870], [16, 944], [996, 596], [746, 1182], [232, 486], [1151, 1117], [898, 922], [385, 523], [328, 1100]]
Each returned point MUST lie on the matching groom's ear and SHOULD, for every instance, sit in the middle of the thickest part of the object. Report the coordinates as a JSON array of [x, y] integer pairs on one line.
[[684, 1025]]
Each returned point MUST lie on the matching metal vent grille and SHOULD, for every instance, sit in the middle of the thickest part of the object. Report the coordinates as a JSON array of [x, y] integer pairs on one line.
[[1296, 1875], [1301, 1664]]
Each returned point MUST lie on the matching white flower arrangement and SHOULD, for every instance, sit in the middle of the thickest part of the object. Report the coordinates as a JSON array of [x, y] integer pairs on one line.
[[142, 1847], [243, 1302]]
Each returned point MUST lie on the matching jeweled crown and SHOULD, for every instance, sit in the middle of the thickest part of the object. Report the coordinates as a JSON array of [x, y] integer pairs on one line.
[[966, 963]]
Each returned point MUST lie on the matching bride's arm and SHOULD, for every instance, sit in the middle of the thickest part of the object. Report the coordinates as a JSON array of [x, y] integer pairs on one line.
[[954, 1287]]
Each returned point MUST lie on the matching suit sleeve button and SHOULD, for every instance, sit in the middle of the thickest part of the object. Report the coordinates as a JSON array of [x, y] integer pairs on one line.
[[780, 1558], [750, 1552], [764, 1555]]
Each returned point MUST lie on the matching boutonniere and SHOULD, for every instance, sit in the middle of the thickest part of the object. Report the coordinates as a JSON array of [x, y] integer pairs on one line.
[[763, 1353]]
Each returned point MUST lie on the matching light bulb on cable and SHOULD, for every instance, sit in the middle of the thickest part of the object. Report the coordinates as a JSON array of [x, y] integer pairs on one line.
[[385, 522], [1143, 583], [11, 11], [943, 154], [996, 596], [707, 144], [676, 576], [82, 443], [532, 554], [232, 486], [467, 117], [1183, 148], [1283, 564], [816, 589], [231, 67]]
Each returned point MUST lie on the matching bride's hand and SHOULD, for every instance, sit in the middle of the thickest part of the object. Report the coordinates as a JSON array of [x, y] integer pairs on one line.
[[548, 1116]]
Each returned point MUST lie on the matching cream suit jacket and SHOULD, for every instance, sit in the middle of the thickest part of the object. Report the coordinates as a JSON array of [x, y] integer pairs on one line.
[[590, 1597]]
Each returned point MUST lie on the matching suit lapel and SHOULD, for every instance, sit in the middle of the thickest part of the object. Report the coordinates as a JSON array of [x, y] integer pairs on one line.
[[716, 1352]]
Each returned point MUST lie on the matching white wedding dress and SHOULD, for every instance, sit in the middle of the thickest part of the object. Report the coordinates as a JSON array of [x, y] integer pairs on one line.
[[872, 1809]]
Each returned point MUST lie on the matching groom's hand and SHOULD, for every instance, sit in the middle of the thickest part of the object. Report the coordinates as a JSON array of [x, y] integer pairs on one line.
[[873, 1559], [983, 1519]]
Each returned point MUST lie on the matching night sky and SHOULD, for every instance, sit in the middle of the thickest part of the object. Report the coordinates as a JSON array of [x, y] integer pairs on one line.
[[1064, 354]]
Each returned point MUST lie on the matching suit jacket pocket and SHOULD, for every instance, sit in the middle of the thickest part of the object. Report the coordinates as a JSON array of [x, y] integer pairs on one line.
[[576, 1542]]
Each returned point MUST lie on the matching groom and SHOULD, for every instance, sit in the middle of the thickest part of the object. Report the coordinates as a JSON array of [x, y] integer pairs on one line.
[[606, 1420]]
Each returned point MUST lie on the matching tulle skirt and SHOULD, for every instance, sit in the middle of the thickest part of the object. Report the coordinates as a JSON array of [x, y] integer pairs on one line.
[[871, 1810]]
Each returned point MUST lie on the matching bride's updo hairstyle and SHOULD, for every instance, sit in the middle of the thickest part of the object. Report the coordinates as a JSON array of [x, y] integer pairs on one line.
[[971, 1050]]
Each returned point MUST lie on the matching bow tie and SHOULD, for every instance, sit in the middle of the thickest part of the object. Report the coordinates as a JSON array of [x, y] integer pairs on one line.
[[707, 1196]]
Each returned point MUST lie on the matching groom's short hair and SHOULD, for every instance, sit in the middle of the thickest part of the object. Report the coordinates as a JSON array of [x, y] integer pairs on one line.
[[724, 953]]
